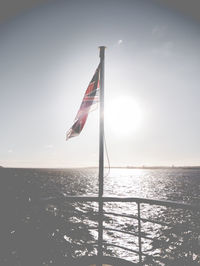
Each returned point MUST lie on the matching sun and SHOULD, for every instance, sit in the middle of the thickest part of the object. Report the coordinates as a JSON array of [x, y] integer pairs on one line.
[[123, 116]]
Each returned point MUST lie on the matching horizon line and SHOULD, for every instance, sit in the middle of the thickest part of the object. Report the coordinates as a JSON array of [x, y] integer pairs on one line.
[[122, 167]]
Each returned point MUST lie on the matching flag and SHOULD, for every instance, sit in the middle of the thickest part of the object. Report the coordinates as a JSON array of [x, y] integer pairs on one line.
[[90, 99]]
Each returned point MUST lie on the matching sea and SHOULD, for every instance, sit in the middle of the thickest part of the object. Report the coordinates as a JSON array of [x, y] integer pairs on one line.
[[40, 227]]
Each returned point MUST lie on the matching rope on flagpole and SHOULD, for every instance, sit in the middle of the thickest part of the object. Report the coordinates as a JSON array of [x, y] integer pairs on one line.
[[107, 156]]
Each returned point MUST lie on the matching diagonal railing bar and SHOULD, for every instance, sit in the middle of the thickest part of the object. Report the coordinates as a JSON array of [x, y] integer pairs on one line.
[[125, 232], [136, 218], [122, 247], [150, 220]]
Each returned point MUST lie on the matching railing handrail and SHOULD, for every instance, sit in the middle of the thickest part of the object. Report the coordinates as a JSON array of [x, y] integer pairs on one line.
[[167, 203]]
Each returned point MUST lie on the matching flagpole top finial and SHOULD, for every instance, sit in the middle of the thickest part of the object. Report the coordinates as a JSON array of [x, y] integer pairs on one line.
[[102, 50]]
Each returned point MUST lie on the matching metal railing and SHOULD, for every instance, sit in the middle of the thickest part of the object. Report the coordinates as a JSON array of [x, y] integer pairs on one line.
[[139, 201]]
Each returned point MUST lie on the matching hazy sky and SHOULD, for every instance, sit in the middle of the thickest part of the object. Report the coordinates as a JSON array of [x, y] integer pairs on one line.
[[48, 56]]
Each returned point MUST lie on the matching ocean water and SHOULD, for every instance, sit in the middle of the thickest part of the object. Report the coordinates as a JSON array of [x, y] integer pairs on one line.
[[170, 184], [36, 212]]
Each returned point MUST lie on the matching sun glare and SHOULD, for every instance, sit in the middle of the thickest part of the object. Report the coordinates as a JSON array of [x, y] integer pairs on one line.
[[123, 116]]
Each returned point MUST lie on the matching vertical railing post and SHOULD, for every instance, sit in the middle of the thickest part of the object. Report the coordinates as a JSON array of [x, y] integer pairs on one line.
[[139, 233]]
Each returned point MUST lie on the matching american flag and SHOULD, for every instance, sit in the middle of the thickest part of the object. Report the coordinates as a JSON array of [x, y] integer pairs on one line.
[[90, 99]]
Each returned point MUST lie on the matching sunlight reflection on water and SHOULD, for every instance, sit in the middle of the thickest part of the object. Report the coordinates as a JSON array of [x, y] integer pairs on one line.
[[169, 184]]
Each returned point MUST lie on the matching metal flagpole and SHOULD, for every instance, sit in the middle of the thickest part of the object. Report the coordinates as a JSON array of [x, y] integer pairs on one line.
[[101, 154]]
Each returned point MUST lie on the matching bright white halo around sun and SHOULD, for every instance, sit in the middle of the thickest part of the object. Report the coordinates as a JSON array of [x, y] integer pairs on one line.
[[123, 116]]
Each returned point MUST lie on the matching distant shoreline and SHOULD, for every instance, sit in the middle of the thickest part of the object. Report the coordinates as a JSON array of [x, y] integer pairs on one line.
[[160, 167], [152, 167], [112, 167]]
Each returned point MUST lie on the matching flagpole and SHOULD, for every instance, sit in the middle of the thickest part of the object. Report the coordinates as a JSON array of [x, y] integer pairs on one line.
[[101, 153]]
